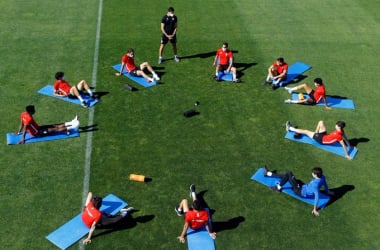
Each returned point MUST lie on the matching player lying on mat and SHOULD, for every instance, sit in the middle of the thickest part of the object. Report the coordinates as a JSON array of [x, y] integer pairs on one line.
[[63, 88], [128, 62], [320, 135], [315, 95], [195, 217], [94, 218], [28, 125], [310, 189]]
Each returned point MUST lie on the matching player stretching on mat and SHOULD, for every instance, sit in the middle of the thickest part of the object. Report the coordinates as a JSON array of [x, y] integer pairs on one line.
[[28, 125], [320, 135], [128, 62], [195, 217], [315, 95], [224, 61], [277, 72], [63, 88], [310, 189], [94, 218]]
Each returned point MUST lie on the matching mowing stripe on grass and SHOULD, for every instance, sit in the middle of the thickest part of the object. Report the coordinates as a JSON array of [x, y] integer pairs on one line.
[[87, 166]]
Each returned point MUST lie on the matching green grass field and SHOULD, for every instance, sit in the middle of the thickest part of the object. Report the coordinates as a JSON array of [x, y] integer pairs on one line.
[[239, 129]]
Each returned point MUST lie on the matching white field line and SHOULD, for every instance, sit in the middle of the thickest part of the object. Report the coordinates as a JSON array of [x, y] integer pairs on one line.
[[87, 166]]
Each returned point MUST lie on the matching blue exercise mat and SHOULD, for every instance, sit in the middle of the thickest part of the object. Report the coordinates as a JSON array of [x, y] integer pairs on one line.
[[49, 91], [14, 139], [333, 102], [287, 188], [74, 230], [335, 148], [138, 79], [223, 76], [294, 71], [200, 239]]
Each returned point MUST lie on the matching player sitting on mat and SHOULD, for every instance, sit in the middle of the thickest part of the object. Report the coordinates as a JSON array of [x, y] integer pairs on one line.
[[28, 125], [315, 95], [277, 72], [128, 62], [63, 88], [224, 61], [94, 218], [195, 217], [310, 189], [320, 135]]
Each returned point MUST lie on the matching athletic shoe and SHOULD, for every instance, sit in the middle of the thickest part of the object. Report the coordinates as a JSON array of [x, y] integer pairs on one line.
[[156, 77], [216, 78], [289, 90], [176, 59], [149, 80], [287, 126], [288, 101], [84, 104], [274, 86], [266, 170], [127, 210], [236, 80], [179, 212], [159, 60], [266, 83], [274, 188], [192, 189]]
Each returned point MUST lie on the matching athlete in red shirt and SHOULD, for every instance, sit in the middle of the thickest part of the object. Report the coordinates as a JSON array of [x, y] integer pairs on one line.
[[128, 62], [277, 72], [63, 88], [224, 61], [315, 95], [93, 218], [29, 125], [320, 135], [195, 217]]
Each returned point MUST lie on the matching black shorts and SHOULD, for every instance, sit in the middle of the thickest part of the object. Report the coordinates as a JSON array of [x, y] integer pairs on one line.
[[311, 97], [318, 137], [134, 72], [43, 130], [165, 39], [223, 67]]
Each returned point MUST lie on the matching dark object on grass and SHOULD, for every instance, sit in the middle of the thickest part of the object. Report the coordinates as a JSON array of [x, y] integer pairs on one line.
[[130, 87], [190, 113]]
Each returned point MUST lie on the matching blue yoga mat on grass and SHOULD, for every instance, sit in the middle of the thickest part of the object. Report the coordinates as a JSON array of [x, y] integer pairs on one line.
[[200, 239], [294, 71], [138, 79], [333, 102], [335, 148], [74, 230], [287, 188], [226, 76], [14, 139], [49, 91]]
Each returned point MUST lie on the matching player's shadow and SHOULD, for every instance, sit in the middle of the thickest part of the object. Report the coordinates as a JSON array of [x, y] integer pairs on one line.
[[339, 192], [203, 55], [127, 222], [88, 128], [355, 141], [218, 226]]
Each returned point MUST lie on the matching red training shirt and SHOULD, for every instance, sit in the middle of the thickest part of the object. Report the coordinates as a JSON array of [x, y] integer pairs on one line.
[[224, 57], [28, 121], [129, 62], [91, 214], [196, 219], [62, 86], [319, 93], [332, 137], [280, 68]]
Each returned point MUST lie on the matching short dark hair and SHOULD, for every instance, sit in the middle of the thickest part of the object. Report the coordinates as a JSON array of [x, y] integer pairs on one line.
[[59, 75], [225, 44], [197, 205], [130, 50], [171, 9], [341, 124], [97, 201], [280, 59], [30, 109], [318, 80], [317, 171]]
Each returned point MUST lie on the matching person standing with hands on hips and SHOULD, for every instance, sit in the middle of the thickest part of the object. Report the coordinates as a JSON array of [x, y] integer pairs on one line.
[[169, 33]]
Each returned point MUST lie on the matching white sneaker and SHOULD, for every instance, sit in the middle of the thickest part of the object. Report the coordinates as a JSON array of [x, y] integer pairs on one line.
[[177, 59], [288, 101], [289, 90], [127, 210], [156, 77]]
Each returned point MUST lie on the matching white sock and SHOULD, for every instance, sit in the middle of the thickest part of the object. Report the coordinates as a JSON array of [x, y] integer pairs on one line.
[[175, 56], [269, 173], [194, 195], [278, 187], [80, 98], [90, 92], [293, 89]]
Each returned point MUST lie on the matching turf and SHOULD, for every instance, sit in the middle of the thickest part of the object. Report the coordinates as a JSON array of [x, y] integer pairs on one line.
[[240, 126]]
